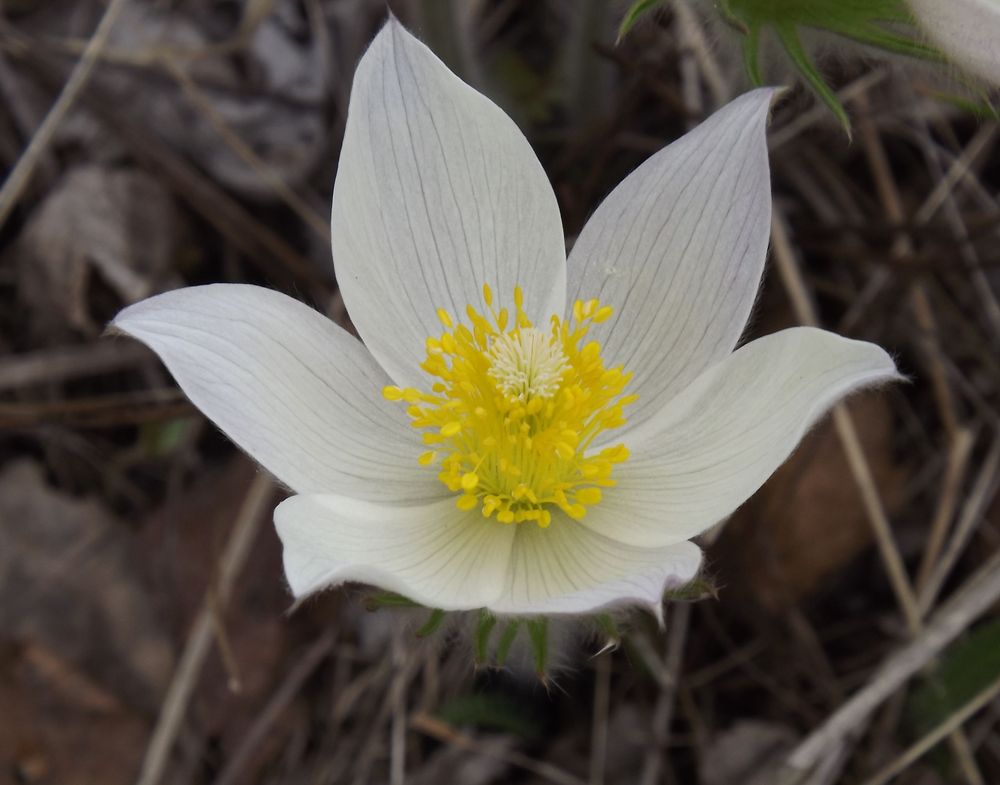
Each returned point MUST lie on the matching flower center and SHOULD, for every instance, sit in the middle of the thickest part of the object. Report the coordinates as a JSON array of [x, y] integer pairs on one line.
[[527, 364], [514, 410]]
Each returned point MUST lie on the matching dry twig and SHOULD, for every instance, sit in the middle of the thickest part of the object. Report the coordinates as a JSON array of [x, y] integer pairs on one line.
[[199, 640], [978, 594], [25, 167]]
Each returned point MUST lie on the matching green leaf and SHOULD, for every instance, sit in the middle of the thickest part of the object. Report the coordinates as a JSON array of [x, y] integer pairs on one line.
[[884, 24], [159, 439], [967, 668], [432, 624], [980, 108], [792, 44], [637, 10], [751, 56], [487, 621], [492, 711]]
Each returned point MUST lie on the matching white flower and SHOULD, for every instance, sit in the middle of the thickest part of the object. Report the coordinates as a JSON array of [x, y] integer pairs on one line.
[[967, 31], [521, 488]]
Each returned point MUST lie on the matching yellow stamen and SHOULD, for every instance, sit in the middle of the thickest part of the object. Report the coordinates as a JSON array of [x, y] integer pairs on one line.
[[514, 410]]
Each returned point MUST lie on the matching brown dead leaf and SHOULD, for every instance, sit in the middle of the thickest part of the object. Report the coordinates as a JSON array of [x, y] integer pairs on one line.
[[58, 727], [271, 97], [70, 587], [808, 521], [117, 223]]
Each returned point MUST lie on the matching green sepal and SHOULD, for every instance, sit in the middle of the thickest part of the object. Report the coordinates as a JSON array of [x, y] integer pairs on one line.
[[506, 641], [608, 626], [432, 624], [388, 599], [538, 633], [484, 628], [696, 590]]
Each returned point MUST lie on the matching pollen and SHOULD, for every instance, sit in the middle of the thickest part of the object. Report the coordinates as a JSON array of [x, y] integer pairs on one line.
[[514, 410]]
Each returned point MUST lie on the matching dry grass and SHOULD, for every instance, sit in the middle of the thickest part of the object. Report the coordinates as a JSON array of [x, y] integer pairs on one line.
[[842, 585]]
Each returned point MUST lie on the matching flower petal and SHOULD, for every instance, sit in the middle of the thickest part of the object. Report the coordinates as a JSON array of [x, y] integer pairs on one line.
[[678, 249], [968, 31], [295, 391], [437, 193], [567, 568], [716, 443], [434, 554]]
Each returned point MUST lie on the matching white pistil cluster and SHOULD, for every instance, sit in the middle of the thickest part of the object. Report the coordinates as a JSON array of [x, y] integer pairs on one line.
[[527, 364]]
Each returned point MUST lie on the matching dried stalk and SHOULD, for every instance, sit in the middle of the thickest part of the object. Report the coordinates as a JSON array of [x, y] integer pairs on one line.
[[18, 179], [953, 618], [199, 641]]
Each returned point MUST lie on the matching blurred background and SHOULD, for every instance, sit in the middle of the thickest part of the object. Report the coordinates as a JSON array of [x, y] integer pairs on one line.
[[145, 632]]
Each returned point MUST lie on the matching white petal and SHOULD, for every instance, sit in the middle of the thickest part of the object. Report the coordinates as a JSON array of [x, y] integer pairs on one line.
[[567, 568], [434, 554], [290, 387], [968, 31], [678, 249], [437, 193], [717, 442]]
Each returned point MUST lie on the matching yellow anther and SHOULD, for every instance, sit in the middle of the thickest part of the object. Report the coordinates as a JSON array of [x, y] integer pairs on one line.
[[565, 451], [588, 496], [514, 410], [602, 314], [467, 502]]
